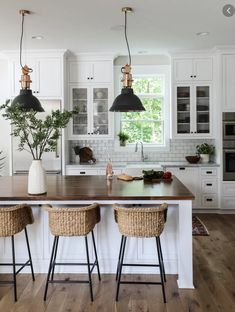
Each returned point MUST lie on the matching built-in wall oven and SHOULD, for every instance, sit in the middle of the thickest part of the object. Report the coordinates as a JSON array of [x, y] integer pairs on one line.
[[229, 146]]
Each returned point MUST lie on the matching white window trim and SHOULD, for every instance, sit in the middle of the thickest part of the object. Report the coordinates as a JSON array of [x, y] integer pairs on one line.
[[142, 70]]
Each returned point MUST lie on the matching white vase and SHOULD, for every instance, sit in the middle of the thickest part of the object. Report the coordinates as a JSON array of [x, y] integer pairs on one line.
[[204, 158], [37, 178]]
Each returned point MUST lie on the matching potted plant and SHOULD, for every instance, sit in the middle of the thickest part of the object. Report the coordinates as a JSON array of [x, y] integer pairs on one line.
[[205, 150], [36, 136], [123, 137]]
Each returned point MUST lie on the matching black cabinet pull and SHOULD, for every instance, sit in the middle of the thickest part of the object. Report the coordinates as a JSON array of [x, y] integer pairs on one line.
[[82, 172], [191, 76], [195, 131], [209, 172], [92, 78], [88, 78], [209, 199], [208, 184], [194, 76], [182, 168]]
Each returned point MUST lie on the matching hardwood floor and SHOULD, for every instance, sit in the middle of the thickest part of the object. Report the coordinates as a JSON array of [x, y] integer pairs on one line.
[[214, 279]]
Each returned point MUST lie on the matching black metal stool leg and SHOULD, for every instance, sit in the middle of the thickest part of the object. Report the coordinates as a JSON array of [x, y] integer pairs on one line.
[[120, 267], [88, 267], [161, 273], [50, 268], [160, 249], [119, 257], [54, 258], [14, 266], [30, 258], [96, 257]]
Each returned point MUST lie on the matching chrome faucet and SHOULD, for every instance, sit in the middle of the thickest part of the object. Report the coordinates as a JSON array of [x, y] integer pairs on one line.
[[143, 158]]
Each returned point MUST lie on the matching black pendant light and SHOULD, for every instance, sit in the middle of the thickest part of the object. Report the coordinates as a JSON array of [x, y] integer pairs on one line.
[[127, 101], [26, 99]]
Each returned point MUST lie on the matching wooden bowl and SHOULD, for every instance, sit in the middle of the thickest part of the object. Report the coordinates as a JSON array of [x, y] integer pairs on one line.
[[193, 159]]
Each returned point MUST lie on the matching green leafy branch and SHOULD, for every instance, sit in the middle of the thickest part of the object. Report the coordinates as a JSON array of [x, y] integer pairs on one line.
[[36, 135]]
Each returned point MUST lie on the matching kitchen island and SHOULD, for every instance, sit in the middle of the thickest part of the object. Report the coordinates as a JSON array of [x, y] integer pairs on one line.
[[82, 190]]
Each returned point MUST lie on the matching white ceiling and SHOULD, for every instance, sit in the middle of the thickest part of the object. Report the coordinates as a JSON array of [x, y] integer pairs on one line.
[[157, 26]]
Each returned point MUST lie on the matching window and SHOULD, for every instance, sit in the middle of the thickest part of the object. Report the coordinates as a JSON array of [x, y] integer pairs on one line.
[[152, 125]]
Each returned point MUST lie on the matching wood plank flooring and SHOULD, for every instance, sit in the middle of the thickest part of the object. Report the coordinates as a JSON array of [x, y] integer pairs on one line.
[[214, 279]]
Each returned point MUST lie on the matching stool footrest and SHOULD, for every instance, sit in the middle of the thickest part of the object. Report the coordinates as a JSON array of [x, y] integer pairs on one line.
[[27, 263], [68, 282], [140, 264], [144, 283]]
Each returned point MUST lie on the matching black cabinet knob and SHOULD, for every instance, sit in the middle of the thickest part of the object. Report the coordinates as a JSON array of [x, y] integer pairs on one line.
[[208, 184], [209, 172], [194, 76], [88, 78], [209, 199], [82, 172], [92, 78], [191, 76]]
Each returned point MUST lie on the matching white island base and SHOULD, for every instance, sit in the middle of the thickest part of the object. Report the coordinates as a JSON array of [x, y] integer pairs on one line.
[[176, 241]]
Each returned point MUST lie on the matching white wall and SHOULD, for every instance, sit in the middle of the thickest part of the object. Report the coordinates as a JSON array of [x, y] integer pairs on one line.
[[4, 125]]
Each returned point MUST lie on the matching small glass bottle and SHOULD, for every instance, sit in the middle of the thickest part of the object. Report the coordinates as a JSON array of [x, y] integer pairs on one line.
[[109, 170]]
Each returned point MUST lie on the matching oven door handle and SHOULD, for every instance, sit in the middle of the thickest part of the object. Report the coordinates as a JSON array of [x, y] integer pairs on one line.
[[231, 150]]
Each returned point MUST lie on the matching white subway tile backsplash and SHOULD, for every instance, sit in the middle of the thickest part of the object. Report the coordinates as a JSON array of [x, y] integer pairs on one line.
[[103, 149]]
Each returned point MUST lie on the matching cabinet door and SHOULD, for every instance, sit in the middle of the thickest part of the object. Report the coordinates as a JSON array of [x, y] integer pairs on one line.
[[79, 98], [183, 69], [228, 82], [185, 174], [193, 69], [183, 109], [100, 116], [102, 71], [49, 77], [203, 69], [90, 72], [202, 109]]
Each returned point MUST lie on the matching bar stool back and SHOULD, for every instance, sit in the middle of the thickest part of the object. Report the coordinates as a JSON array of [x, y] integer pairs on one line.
[[12, 221], [140, 222], [72, 221]]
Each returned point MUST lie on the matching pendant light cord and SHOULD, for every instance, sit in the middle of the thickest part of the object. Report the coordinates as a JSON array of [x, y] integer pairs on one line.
[[21, 42], [127, 43]]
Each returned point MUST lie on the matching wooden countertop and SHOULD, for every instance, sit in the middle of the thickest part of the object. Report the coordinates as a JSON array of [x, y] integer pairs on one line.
[[93, 188]]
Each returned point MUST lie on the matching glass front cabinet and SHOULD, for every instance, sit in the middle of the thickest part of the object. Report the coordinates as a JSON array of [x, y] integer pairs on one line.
[[94, 118], [192, 111]]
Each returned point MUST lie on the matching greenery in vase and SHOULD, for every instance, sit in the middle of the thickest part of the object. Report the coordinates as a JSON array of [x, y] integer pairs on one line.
[[205, 148], [123, 136], [36, 135]]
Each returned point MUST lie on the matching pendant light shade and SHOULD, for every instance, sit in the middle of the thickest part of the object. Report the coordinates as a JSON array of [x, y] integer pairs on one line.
[[26, 100], [127, 101]]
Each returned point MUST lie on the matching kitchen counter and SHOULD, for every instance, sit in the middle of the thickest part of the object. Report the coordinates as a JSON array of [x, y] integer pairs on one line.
[[186, 164], [82, 190]]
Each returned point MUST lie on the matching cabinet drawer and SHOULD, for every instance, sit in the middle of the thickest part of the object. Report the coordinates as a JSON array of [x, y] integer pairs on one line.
[[228, 202], [81, 172], [208, 171], [209, 186], [115, 171], [209, 200], [229, 189]]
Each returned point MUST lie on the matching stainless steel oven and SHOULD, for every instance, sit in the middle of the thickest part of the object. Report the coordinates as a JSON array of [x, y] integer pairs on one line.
[[229, 160], [229, 126]]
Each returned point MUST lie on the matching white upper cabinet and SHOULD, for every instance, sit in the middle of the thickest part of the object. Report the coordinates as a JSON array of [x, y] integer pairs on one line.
[[228, 82], [47, 76], [193, 69], [90, 72]]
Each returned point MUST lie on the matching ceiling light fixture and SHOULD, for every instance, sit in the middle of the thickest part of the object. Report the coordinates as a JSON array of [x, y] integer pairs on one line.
[[202, 33], [127, 101], [26, 99]]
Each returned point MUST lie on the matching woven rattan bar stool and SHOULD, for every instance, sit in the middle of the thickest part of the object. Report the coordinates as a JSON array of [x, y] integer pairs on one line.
[[72, 221], [140, 222], [12, 221]]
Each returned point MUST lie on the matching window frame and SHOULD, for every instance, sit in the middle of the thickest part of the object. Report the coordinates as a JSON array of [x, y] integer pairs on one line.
[[141, 71]]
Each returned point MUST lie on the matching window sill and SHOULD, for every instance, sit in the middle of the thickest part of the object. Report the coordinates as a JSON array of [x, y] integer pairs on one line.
[[130, 148]]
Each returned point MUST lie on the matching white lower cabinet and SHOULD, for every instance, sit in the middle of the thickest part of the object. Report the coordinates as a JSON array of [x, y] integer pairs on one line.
[[189, 177], [202, 182], [228, 195]]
